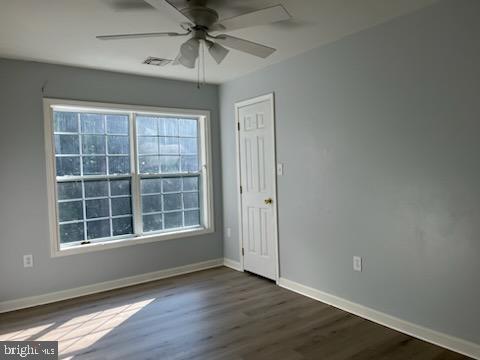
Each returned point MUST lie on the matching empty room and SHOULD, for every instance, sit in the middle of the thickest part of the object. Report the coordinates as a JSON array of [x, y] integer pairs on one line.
[[240, 179]]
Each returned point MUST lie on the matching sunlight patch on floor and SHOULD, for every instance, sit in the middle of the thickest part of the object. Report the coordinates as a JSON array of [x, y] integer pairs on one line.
[[80, 332], [24, 334]]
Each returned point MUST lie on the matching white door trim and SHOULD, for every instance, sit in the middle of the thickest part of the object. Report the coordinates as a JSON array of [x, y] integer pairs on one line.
[[268, 97]]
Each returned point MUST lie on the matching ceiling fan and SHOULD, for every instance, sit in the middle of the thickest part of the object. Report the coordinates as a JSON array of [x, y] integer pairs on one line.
[[202, 25]]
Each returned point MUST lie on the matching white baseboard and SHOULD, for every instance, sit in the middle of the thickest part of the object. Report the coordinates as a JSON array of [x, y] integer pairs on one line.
[[232, 264], [26, 302], [461, 346]]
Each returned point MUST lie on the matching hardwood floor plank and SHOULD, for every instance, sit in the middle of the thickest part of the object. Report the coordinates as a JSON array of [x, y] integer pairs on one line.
[[214, 314]]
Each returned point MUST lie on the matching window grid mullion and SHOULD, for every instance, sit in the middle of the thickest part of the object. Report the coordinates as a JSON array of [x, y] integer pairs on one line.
[[95, 219], [84, 209], [80, 143], [183, 206], [110, 205], [107, 165], [136, 194], [60, 179], [169, 175], [162, 200], [80, 151]]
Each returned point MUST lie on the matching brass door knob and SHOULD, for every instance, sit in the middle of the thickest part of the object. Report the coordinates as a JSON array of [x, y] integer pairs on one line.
[[269, 201]]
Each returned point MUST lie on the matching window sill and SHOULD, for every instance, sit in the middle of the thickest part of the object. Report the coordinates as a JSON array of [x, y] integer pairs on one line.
[[145, 239]]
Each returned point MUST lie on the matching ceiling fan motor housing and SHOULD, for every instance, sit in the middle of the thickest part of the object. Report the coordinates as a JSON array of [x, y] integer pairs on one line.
[[201, 16]]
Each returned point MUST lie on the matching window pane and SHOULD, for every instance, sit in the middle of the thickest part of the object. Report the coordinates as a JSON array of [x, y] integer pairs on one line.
[[152, 222], [188, 146], [173, 220], [69, 190], [120, 187], [172, 185], [148, 164], [71, 232], [92, 123], [189, 163], [66, 144], [170, 164], [96, 188], [188, 127], [166, 146], [190, 183], [93, 144], [101, 148], [192, 218], [117, 124], [97, 208], [172, 202], [68, 165], [146, 125], [98, 229], [147, 145], [168, 127], [70, 211], [190, 200], [151, 203], [65, 122], [169, 145], [121, 206], [122, 226], [94, 165], [118, 145], [118, 165], [150, 186]]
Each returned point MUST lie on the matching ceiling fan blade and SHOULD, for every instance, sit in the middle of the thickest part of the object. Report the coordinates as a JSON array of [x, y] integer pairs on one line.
[[169, 10], [259, 17], [217, 27], [217, 51], [189, 52], [138, 36], [245, 45], [127, 5]]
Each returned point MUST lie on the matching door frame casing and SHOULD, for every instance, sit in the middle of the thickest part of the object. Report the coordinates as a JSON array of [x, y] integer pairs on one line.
[[267, 97]]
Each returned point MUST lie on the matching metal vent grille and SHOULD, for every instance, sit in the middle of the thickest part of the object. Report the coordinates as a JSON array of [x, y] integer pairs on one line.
[[155, 61]]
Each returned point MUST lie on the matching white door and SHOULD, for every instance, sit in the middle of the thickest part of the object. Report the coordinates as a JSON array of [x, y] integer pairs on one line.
[[257, 180]]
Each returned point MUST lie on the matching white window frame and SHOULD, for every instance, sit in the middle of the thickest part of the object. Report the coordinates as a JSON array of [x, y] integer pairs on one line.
[[206, 190]]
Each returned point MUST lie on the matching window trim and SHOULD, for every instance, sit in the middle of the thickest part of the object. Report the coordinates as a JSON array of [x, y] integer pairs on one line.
[[206, 174]]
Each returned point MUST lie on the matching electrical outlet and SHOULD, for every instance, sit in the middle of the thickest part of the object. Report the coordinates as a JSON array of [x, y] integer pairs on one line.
[[279, 169], [357, 263], [28, 261], [229, 232]]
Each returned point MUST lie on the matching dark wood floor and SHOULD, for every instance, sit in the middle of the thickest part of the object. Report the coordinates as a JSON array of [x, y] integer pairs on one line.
[[213, 314]]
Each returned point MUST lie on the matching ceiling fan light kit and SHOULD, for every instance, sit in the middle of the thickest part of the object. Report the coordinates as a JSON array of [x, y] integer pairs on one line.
[[201, 24], [217, 51]]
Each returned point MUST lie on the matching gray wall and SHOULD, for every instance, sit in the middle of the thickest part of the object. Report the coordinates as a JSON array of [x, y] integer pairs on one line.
[[23, 188], [379, 134]]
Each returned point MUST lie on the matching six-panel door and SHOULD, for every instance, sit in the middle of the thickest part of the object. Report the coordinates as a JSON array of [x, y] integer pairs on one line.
[[257, 173]]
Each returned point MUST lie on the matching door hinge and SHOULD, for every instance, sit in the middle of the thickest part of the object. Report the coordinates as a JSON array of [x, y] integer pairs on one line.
[[243, 251], [241, 189], [238, 126]]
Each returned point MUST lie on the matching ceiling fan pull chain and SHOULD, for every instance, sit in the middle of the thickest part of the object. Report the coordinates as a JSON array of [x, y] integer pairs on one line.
[[203, 60], [198, 74]]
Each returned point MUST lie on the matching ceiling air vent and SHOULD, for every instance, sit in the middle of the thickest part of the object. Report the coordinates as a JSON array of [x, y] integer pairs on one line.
[[156, 61]]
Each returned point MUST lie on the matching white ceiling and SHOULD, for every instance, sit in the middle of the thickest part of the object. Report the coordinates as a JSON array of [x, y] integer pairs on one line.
[[63, 32]]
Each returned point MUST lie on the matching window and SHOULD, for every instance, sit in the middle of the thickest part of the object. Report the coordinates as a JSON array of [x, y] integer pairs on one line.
[[123, 174]]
